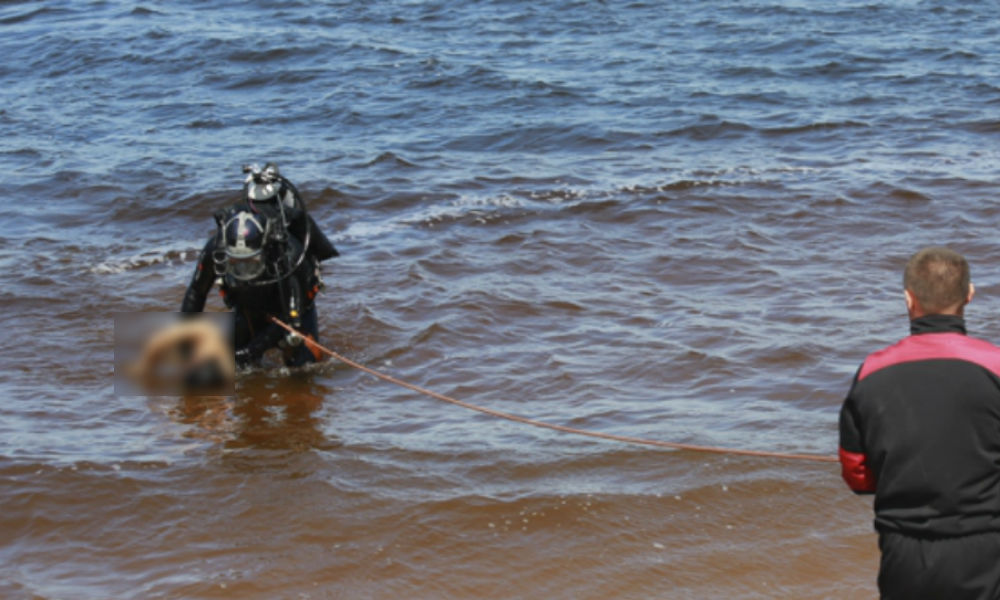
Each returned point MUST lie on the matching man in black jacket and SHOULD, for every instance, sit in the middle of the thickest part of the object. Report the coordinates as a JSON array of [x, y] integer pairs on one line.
[[920, 429], [265, 259]]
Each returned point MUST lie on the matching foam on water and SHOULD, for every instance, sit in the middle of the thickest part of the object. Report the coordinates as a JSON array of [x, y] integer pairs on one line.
[[181, 254]]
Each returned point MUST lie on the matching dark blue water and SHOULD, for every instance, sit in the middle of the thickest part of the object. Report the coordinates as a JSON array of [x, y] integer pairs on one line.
[[679, 222]]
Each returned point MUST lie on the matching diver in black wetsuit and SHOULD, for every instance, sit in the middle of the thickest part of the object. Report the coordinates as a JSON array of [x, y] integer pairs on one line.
[[265, 258]]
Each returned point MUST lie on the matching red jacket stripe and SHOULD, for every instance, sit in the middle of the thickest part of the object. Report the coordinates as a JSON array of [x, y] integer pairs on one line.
[[934, 346]]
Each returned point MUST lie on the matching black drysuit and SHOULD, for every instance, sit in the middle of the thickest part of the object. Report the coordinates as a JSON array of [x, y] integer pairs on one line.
[[290, 299]]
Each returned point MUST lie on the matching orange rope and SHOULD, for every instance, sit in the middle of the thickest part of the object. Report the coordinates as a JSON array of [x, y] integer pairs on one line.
[[315, 346]]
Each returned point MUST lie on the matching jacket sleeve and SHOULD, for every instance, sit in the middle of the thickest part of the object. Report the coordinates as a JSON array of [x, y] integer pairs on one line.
[[854, 464], [201, 281]]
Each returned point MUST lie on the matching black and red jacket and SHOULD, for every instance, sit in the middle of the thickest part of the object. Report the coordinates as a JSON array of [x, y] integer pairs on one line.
[[920, 429]]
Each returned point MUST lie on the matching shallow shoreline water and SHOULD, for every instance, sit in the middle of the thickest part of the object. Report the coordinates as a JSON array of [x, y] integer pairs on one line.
[[662, 222]]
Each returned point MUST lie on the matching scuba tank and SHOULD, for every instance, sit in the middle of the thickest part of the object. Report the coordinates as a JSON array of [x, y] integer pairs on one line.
[[267, 190]]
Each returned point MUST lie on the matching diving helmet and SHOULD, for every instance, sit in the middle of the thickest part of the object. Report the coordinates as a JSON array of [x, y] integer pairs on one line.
[[244, 235]]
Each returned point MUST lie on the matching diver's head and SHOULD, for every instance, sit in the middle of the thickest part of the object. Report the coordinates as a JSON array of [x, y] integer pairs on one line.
[[244, 236]]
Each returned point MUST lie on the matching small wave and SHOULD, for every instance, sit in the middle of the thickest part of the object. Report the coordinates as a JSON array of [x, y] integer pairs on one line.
[[414, 210], [263, 55], [795, 45], [389, 158], [710, 131], [909, 196], [387, 50], [835, 69], [564, 305], [475, 76], [144, 11], [813, 127], [30, 15], [206, 124], [268, 80], [959, 55], [147, 258], [753, 72], [547, 137], [987, 126], [725, 176]]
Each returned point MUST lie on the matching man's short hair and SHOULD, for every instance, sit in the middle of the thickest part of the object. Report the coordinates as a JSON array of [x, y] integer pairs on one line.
[[938, 278]]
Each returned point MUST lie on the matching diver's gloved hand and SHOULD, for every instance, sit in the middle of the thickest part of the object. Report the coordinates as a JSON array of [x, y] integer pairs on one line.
[[251, 354], [244, 358]]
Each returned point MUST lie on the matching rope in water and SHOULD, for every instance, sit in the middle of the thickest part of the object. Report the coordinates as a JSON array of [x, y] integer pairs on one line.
[[519, 419]]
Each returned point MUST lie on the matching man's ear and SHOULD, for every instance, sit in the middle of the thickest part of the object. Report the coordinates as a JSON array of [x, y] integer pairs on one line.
[[911, 302], [972, 292]]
